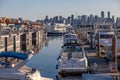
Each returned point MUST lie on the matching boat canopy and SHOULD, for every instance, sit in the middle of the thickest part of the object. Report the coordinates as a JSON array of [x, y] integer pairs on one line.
[[14, 55]]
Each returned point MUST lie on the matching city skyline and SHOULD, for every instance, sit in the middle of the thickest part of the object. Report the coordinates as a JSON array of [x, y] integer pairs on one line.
[[38, 9]]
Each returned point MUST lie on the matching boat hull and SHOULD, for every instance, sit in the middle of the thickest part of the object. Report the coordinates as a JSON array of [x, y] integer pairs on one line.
[[72, 71]]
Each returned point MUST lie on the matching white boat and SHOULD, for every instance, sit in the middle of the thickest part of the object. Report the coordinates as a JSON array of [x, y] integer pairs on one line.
[[70, 37], [72, 59], [60, 28], [105, 38], [56, 29], [106, 32], [19, 71]]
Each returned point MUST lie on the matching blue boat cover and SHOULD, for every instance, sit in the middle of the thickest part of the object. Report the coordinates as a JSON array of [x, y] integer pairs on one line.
[[14, 55]]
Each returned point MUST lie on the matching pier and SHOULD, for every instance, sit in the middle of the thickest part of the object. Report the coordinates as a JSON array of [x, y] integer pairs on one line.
[[97, 63]]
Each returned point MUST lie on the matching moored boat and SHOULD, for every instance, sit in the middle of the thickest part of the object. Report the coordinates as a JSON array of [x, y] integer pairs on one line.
[[72, 60], [18, 71]]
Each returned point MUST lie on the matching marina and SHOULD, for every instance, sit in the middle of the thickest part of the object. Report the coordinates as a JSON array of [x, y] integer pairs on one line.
[[73, 55], [59, 40]]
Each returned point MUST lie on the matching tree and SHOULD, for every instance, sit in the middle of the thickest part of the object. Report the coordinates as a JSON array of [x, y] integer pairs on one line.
[[7, 21]]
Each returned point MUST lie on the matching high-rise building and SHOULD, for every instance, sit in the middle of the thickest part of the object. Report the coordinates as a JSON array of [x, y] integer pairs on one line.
[[88, 20], [72, 19], [97, 19], [113, 19], [79, 20], [108, 14], [46, 19], [79, 17], [102, 15], [55, 19], [91, 19], [60, 19], [83, 19], [68, 20]]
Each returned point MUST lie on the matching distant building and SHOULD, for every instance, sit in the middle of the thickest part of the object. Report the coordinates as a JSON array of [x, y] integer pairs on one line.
[[83, 19], [72, 19], [68, 20], [108, 14], [113, 19], [91, 19], [55, 19], [96, 19], [88, 20], [102, 15], [79, 17], [46, 19], [61, 19], [118, 22]]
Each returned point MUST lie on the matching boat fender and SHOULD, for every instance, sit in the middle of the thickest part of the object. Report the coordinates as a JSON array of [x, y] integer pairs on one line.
[[58, 58], [95, 66], [57, 66]]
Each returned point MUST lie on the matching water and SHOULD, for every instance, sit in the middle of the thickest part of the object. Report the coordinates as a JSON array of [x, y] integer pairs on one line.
[[46, 59]]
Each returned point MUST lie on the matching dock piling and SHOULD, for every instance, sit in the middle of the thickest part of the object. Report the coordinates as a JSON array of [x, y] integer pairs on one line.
[[91, 40], [114, 49], [98, 45]]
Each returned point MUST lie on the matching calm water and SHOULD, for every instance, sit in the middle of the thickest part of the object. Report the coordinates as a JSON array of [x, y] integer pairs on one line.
[[46, 59]]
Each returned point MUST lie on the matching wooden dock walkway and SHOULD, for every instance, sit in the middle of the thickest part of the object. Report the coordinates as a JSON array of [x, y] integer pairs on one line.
[[102, 64]]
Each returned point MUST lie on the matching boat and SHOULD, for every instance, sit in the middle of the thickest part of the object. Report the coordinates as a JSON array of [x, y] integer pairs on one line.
[[105, 38], [56, 29], [70, 38], [18, 71], [105, 31], [72, 59]]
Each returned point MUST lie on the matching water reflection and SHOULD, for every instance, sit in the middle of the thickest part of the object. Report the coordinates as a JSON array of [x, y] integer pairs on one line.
[[46, 59]]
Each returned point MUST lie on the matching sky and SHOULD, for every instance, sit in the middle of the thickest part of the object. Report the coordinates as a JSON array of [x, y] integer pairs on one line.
[[38, 9]]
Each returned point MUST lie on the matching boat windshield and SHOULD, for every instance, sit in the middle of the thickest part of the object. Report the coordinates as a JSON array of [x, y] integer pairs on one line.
[[106, 36], [78, 48], [71, 41], [70, 36]]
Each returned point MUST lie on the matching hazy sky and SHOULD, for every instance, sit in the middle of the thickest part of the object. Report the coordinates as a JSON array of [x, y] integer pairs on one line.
[[38, 9]]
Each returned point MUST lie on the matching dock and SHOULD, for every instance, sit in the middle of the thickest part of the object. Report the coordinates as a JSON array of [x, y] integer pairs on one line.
[[97, 64]]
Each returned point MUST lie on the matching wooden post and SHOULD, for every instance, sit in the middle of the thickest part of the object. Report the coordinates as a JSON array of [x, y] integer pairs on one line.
[[83, 35], [98, 44], [91, 40], [6, 44], [114, 49], [86, 37], [6, 59], [113, 63], [14, 43], [79, 34]]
